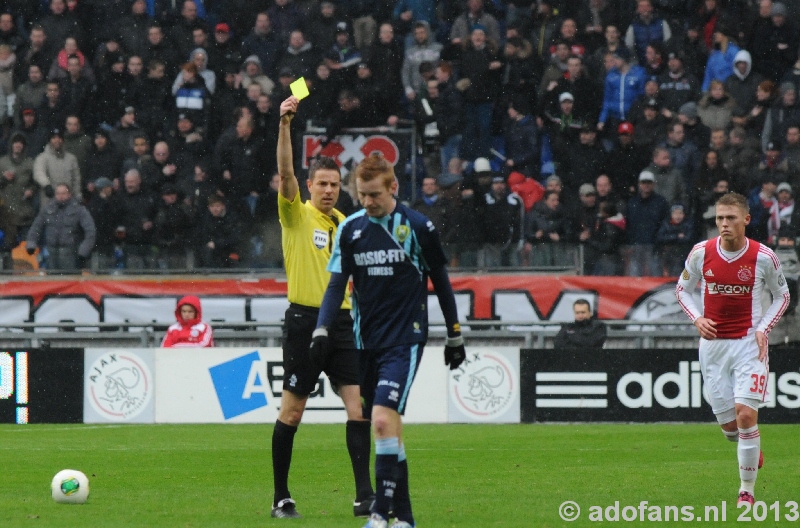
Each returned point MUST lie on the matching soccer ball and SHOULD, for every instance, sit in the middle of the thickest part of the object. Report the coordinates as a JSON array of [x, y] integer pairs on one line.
[[70, 486]]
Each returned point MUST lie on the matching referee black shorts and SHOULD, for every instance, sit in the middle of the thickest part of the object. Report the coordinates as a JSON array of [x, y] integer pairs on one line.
[[299, 375]]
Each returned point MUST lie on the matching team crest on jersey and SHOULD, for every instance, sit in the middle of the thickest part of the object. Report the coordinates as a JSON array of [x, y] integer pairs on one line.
[[745, 273], [401, 232], [685, 275], [320, 238]]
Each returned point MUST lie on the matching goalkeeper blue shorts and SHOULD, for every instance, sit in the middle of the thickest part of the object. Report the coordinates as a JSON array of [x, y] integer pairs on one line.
[[387, 375]]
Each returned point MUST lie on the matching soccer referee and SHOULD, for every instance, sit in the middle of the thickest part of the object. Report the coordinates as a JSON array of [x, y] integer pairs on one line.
[[308, 230]]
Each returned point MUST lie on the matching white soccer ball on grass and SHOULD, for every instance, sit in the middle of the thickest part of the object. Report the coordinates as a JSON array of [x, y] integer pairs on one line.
[[70, 486]]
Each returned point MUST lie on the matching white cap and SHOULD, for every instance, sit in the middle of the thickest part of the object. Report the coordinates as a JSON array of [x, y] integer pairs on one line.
[[647, 176], [482, 165], [564, 96]]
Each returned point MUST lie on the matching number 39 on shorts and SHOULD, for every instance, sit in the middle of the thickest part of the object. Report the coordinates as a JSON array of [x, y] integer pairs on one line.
[[758, 383]]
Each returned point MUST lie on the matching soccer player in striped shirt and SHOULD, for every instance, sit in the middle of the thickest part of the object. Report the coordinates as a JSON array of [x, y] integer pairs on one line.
[[734, 271], [390, 251]]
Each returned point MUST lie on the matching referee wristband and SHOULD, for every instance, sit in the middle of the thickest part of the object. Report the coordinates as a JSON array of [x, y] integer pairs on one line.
[[321, 331]]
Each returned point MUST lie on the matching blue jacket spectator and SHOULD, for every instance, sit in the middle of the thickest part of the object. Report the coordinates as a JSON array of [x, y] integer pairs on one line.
[[644, 29], [720, 63], [624, 83]]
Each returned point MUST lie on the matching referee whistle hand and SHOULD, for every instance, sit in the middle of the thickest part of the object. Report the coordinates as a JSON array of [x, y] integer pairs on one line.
[[454, 352], [319, 350]]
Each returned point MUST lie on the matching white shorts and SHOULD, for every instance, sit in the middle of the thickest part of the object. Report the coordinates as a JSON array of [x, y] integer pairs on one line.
[[733, 374]]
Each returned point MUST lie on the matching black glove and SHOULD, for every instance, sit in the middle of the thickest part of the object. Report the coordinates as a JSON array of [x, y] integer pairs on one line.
[[319, 350], [454, 353], [48, 191], [30, 250], [81, 262]]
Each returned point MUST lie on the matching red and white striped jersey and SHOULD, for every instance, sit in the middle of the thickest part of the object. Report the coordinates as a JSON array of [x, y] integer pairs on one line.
[[732, 287]]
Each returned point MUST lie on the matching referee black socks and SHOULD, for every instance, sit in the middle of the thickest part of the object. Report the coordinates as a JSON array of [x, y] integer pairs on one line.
[[282, 445], [359, 445]]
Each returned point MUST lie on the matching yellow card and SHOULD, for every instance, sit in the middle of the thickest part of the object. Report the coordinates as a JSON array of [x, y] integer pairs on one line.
[[299, 89]]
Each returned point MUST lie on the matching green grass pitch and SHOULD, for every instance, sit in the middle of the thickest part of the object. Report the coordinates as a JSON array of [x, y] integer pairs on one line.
[[461, 475]]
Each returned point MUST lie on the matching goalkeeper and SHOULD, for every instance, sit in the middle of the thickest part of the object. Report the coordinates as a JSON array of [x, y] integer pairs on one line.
[[390, 251]]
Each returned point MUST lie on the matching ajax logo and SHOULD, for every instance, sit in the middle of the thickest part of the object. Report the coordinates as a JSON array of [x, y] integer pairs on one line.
[[484, 387], [120, 385]]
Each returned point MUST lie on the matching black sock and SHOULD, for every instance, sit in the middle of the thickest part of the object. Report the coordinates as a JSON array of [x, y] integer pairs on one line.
[[358, 445], [282, 444], [386, 450], [402, 499]]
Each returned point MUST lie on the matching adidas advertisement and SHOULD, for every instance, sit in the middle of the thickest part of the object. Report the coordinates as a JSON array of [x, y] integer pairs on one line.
[[639, 386]]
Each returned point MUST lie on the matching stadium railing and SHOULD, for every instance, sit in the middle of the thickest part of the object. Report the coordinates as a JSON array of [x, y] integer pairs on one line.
[[625, 334]]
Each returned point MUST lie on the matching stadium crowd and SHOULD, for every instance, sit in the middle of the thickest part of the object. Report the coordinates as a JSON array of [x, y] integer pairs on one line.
[[596, 133]]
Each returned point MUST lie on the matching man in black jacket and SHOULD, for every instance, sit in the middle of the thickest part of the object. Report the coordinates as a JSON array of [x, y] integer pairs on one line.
[[585, 332]]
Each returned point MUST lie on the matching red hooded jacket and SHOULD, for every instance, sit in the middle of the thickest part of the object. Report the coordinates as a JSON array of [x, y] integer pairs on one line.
[[194, 333]]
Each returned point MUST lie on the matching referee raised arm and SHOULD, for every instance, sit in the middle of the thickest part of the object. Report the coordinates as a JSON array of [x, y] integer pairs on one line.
[[307, 234]]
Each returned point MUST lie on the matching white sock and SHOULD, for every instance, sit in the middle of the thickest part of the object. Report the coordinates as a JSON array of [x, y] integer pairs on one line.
[[731, 436], [748, 451]]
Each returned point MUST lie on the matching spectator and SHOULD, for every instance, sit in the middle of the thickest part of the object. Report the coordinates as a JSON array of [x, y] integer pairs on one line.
[[423, 49], [135, 208], [646, 28], [56, 166], [480, 67], [502, 219], [30, 93], [624, 163], [323, 25], [696, 131], [651, 127], [521, 139], [430, 203], [595, 63], [52, 111], [189, 331], [546, 232], [181, 31], [67, 229], [461, 234], [300, 57], [284, 18], [171, 230], [76, 142], [264, 44], [219, 236], [102, 208], [199, 57], [675, 240], [582, 162], [676, 85], [742, 85], [623, 85], [153, 100], [35, 135], [124, 131], [59, 24], [761, 201], [132, 29], [450, 118], [162, 51], [716, 107], [38, 51], [646, 211], [776, 48], [253, 74], [577, 83], [773, 165], [244, 166], [720, 61], [784, 112], [103, 159], [740, 159], [782, 212], [465, 24], [521, 71], [585, 332], [17, 188], [684, 154], [607, 193], [192, 97], [224, 52], [669, 181], [606, 241]]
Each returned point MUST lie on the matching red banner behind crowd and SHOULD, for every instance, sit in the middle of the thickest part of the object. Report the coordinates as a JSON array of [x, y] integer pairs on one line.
[[512, 298]]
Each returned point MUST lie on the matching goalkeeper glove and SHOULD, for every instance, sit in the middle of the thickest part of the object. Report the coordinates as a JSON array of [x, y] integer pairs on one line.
[[454, 353], [319, 350]]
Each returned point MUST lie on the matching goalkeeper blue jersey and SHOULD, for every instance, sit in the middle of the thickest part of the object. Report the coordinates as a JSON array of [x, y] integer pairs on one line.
[[389, 259]]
